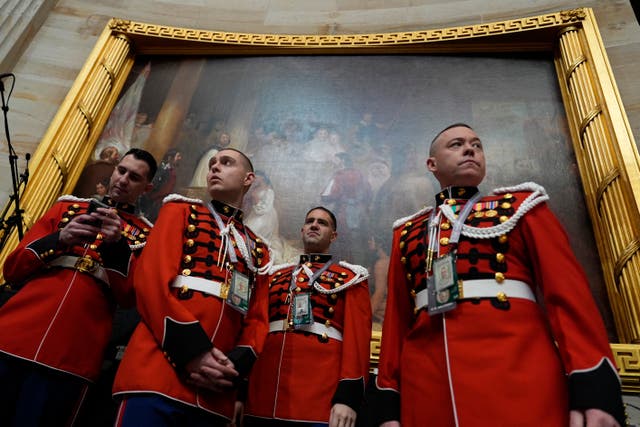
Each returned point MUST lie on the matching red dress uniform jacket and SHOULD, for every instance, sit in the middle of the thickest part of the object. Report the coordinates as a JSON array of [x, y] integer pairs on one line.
[[301, 374], [180, 323], [62, 316], [496, 359]]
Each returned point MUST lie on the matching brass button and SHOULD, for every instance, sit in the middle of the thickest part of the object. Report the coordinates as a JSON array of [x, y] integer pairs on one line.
[[451, 202], [508, 196], [502, 297], [504, 218], [409, 276], [327, 323], [99, 236], [187, 259], [403, 260], [93, 247], [71, 213], [186, 272], [503, 239], [445, 226], [308, 264], [401, 245], [184, 289], [190, 243], [298, 288], [413, 293], [65, 220], [444, 241], [334, 296], [331, 309], [191, 228], [505, 205], [500, 257], [193, 216], [300, 279], [337, 285], [499, 277], [75, 206], [141, 236], [408, 224]]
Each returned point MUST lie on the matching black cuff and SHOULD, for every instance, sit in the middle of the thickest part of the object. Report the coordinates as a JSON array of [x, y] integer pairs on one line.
[[46, 246], [597, 389], [384, 405], [116, 256], [182, 342], [243, 390], [350, 393], [243, 359]]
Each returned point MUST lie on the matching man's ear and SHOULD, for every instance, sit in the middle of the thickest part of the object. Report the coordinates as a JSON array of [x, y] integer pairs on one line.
[[249, 178], [148, 187], [334, 235], [431, 164]]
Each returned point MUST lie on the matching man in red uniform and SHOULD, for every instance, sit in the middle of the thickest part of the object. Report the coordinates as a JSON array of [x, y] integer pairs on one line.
[[464, 341], [73, 267], [203, 307], [315, 361]]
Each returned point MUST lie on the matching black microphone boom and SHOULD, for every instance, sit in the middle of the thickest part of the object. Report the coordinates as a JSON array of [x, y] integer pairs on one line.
[[18, 181]]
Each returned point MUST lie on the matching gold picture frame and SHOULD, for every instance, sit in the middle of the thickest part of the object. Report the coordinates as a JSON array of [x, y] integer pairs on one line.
[[607, 157]]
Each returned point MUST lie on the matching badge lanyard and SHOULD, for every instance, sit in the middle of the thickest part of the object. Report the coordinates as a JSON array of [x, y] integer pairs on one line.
[[434, 221], [307, 270], [301, 304]]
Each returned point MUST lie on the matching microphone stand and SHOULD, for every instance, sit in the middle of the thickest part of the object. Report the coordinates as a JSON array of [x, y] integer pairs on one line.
[[18, 181]]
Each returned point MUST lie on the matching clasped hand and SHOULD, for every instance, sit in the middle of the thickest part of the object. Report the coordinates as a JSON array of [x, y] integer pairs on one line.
[[211, 370]]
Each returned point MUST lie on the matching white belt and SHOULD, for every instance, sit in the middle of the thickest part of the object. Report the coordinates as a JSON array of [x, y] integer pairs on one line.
[[485, 288], [83, 264], [209, 287], [315, 328]]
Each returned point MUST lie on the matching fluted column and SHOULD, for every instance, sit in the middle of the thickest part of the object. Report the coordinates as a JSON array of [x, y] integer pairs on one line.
[[608, 195]]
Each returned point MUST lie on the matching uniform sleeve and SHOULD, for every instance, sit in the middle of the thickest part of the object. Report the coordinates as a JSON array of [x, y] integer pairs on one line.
[[575, 320], [39, 244], [118, 262], [255, 325], [356, 344], [385, 399], [177, 331]]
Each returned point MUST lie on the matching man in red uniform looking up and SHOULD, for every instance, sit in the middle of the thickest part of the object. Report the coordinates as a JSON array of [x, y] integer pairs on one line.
[[203, 307], [73, 266], [464, 341], [316, 358]]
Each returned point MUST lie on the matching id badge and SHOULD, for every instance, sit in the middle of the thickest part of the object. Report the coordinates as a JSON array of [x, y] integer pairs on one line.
[[442, 286], [239, 292], [302, 314]]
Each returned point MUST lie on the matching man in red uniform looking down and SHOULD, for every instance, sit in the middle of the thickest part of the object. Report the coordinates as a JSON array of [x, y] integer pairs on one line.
[[73, 266]]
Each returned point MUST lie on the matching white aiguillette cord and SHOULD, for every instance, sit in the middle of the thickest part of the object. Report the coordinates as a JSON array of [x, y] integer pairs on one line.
[[226, 246], [434, 222]]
